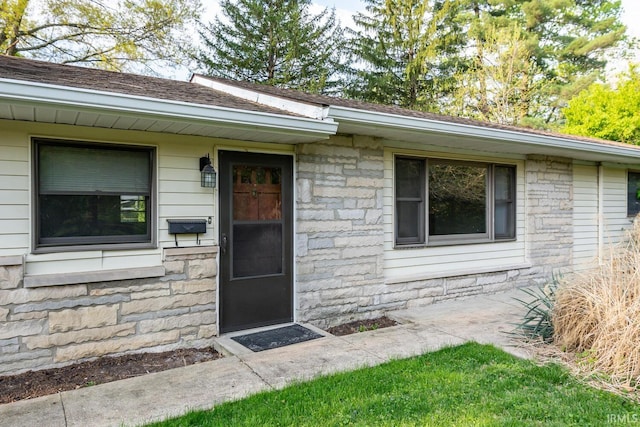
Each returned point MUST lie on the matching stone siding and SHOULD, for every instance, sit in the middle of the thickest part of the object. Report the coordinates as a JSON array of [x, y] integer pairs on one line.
[[340, 235], [57, 325], [549, 216], [339, 238]]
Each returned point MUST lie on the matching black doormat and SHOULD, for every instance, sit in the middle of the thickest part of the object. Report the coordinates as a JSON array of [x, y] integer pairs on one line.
[[274, 338]]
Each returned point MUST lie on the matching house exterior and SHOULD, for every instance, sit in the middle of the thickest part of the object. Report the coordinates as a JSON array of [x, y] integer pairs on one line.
[[324, 210]]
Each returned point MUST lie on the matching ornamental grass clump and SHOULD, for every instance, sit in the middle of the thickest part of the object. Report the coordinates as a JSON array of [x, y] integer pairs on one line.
[[597, 315]]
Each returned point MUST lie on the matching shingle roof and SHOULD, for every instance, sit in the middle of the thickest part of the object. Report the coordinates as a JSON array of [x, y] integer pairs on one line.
[[124, 83], [324, 100], [174, 90]]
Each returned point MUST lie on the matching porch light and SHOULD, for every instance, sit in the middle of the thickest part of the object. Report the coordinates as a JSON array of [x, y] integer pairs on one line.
[[207, 173]]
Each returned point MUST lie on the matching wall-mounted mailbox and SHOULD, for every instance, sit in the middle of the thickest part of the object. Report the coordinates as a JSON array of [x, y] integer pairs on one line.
[[187, 226]]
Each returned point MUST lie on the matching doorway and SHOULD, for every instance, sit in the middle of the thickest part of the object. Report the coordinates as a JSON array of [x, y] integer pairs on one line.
[[256, 240]]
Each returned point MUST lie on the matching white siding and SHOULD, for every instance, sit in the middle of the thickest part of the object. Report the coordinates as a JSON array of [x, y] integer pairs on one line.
[[585, 215], [615, 218], [14, 193], [455, 259], [178, 190], [180, 194]]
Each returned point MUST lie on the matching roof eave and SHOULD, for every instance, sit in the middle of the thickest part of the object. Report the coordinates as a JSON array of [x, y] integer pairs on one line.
[[344, 115], [55, 96]]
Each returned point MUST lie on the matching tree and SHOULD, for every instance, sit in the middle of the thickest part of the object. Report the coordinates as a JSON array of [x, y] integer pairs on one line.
[[406, 52], [567, 41], [607, 111], [502, 82], [113, 35], [275, 42]]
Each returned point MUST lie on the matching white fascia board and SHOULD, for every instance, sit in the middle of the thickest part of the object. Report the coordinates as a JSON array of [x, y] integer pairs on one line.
[[33, 93], [373, 119], [292, 106]]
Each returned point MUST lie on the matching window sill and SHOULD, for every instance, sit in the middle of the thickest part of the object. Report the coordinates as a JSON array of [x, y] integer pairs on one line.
[[101, 247], [461, 242], [34, 281], [6, 261], [457, 273]]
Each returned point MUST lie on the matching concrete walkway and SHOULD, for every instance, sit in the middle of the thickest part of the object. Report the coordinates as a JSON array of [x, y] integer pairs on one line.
[[134, 401]]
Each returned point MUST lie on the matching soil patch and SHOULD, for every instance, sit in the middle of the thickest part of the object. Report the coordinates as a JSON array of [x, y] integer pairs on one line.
[[103, 370], [362, 326]]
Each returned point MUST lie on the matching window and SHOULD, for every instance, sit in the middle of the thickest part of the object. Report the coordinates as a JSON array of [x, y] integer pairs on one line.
[[633, 193], [409, 200], [92, 194], [467, 202]]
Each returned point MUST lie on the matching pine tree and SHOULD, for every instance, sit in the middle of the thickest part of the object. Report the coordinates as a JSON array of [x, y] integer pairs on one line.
[[502, 82], [405, 52], [567, 39], [275, 42]]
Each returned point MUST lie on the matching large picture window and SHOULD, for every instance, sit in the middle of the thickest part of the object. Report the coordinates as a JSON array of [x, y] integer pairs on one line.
[[466, 202], [92, 194]]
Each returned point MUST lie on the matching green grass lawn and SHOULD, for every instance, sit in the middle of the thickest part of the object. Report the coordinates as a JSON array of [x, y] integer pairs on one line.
[[469, 385]]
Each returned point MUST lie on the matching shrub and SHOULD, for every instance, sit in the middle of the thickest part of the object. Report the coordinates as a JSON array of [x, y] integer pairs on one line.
[[598, 313], [537, 322]]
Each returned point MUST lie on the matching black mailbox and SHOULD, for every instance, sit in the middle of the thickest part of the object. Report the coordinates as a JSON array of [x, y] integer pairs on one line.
[[187, 226]]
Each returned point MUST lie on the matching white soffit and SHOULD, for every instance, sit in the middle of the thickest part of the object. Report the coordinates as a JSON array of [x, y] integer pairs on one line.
[[23, 96]]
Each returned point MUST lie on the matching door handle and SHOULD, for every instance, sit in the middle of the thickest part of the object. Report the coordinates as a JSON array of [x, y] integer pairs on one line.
[[223, 244]]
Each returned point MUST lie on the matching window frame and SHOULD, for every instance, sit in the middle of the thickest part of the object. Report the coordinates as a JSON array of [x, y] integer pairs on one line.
[[490, 206], [88, 243], [631, 213], [423, 203]]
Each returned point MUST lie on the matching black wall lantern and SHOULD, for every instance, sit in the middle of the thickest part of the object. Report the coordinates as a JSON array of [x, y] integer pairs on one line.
[[207, 173]]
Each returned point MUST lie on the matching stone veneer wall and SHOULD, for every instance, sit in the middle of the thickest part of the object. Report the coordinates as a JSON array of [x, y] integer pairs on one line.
[[339, 235], [549, 201], [340, 242], [57, 325]]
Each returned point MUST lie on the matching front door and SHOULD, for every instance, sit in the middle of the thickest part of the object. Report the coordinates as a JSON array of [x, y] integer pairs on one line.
[[256, 236]]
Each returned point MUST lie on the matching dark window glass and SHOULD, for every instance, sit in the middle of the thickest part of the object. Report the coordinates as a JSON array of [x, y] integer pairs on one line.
[[410, 193], [92, 194], [504, 210], [633, 193], [457, 198], [467, 201]]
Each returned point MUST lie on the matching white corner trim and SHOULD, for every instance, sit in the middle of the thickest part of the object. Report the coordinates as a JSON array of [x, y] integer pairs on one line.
[[373, 119], [30, 93], [292, 106], [33, 281]]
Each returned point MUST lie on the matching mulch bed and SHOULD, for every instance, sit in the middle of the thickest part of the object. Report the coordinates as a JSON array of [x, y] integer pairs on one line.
[[103, 370], [362, 326]]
